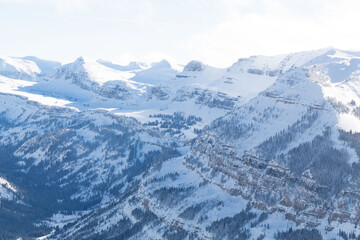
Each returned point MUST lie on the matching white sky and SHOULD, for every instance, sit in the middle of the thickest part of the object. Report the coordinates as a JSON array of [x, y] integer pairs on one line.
[[217, 32]]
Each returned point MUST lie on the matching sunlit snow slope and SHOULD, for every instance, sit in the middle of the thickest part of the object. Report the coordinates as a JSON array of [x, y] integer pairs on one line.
[[96, 150]]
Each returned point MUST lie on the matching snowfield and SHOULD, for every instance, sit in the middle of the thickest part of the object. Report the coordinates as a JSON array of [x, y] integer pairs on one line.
[[267, 148]]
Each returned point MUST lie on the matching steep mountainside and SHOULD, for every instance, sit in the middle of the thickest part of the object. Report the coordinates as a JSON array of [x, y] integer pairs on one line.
[[18, 68], [268, 148]]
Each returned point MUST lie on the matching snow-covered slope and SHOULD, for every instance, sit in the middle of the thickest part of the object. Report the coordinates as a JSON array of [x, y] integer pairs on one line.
[[293, 148], [26, 68], [98, 151], [63, 159], [18, 68], [287, 153], [45, 66], [132, 66], [7, 190], [159, 89]]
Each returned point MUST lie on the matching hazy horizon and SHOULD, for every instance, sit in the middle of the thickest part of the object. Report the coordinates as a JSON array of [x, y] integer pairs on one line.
[[213, 31]]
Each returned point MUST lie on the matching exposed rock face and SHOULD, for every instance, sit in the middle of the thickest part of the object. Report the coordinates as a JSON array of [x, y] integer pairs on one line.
[[280, 172], [159, 93], [283, 164], [79, 75], [194, 66], [269, 185], [207, 98]]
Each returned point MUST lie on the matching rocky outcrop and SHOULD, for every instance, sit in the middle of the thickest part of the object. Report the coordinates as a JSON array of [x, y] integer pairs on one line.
[[194, 66]]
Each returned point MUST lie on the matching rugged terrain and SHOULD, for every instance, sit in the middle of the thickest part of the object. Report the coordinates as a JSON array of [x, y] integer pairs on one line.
[[267, 148]]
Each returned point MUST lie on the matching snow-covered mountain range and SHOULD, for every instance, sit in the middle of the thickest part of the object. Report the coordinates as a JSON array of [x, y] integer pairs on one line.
[[267, 148]]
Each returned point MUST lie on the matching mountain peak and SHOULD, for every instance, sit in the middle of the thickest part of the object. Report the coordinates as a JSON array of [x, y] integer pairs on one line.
[[46, 66], [80, 60], [132, 66], [194, 66], [175, 152], [18, 68], [162, 64]]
